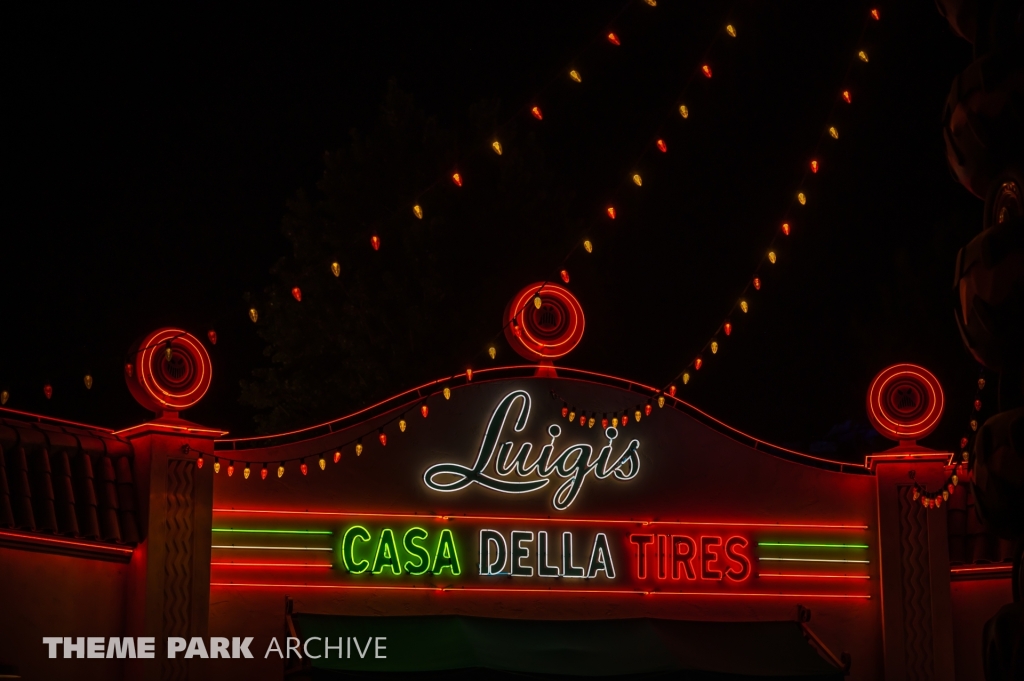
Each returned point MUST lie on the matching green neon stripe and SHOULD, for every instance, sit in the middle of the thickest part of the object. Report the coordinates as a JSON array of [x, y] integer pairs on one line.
[[231, 529], [816, 560], [818, 546]]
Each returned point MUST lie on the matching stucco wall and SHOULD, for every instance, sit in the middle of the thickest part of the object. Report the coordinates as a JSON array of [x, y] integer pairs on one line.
[[51, 595]]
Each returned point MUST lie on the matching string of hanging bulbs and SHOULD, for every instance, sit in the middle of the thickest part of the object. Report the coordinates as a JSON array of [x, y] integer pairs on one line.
[[771, 255], [957, 468], [533, 110]]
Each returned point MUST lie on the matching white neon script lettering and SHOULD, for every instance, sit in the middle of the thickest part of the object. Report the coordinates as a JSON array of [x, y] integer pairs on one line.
[[575, 462]]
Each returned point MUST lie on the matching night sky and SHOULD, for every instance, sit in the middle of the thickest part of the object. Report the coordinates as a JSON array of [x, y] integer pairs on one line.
[[151, 151]]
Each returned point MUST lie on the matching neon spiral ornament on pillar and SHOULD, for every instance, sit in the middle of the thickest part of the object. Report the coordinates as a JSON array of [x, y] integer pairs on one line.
[[548, 331], [905, 402], [169, 381]]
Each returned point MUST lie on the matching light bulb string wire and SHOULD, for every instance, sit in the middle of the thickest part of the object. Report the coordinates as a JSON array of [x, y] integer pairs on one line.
[[791, 204], [522, 111], [646, 148]]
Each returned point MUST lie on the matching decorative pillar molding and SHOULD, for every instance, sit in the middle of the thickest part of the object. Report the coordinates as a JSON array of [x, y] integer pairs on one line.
[[917, 618], [169, 575]]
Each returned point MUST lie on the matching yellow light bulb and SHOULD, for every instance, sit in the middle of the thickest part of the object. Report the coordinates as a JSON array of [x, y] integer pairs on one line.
[[686, 378], [652, 3], [683, 111], [253, 314], [744, 306], [863, 56], [323, 463], [802, 198], [835, 133], [492, 352], [359, 448], [280, 471], [216, 466], [771, 257], [88, 382], [575, 75], [4, 396], [572, 416], [615, 422], [637, 415], [637, 180], [402, 425], [661, 401], [588, 247], [714, 347], [447, 392], [417, 211], [496, 145], [730, 30], [537, 302], [335, 269], [246, 472]]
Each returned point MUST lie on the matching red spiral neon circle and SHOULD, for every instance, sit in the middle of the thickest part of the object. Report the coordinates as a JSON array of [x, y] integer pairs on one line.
[[905, 402], [160, 383], [548, 332]]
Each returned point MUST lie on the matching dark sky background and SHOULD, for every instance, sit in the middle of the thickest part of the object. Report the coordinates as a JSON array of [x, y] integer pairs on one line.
[[150, 152]]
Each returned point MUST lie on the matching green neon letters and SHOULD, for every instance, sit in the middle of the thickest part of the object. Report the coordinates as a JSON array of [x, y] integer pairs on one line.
[[387, 554], [348, 549], [388, 558], [417, 551]]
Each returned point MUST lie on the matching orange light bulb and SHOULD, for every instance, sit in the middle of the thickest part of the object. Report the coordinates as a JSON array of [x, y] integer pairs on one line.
[[613, 39], [375, 242], [536, 113], [457, 179], [662, 147], [707, 70]]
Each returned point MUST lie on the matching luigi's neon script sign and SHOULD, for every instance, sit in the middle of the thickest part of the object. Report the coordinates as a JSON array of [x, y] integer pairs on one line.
[[497, 469]]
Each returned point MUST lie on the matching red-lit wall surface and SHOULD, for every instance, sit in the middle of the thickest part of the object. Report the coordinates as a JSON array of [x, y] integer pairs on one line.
[[762, 534], [974, 602], [54, 595]]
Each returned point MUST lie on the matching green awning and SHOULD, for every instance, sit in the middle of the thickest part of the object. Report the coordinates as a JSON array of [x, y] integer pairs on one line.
[[443, 644]]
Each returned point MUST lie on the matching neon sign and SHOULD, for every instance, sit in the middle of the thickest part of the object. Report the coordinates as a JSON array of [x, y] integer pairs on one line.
[[494, 563], [494, 462], [386, 554]]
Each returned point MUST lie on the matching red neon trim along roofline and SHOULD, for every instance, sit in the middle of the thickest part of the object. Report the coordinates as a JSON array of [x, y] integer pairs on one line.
[[621, 592], [65, 422], [604, 521], [93, 546], [438, 384], [982, 568]]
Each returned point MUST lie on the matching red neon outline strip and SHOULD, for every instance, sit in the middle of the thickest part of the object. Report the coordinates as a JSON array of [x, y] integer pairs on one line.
[[779, 574], [279, 565], [272, 548], [545, 591], [422, 516], [51, 418], [68, 542], [581, 372], [987, 568]]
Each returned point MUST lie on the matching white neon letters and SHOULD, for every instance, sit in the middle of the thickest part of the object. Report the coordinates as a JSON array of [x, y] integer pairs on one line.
[[517, 553], [574, 463]]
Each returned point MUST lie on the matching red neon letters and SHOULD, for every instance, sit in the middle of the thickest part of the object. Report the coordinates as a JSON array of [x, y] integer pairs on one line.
[[716, 558]]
